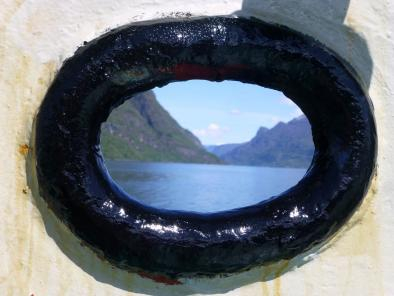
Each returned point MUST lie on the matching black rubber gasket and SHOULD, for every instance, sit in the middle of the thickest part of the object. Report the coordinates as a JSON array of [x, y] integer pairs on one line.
[[134, 58]]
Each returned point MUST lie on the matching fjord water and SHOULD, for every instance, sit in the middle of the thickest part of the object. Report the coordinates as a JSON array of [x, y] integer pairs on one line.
[[202, 188]]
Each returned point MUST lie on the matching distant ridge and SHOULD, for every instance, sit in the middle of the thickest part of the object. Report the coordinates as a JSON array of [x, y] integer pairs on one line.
[[142, 130], [221, 150], [285, 145]]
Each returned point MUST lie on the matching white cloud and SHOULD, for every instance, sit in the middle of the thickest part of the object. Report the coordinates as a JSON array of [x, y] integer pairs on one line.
[[213, 127], [235, 111], [212, 133]]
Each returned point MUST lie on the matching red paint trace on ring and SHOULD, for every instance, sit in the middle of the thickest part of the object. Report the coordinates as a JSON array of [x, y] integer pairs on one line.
[[160, 279]]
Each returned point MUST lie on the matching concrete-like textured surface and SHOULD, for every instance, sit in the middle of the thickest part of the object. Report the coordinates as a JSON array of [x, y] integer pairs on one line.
[[39, 256]]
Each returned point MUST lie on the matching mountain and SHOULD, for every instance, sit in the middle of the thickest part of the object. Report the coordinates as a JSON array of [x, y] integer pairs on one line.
[[221, 150], [285, 145], [140, 129]]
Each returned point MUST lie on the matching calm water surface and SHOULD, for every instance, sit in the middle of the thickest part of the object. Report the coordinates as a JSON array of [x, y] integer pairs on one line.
[[200, 187]]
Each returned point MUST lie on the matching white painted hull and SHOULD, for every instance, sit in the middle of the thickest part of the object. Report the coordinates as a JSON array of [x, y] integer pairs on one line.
[[39, 256]]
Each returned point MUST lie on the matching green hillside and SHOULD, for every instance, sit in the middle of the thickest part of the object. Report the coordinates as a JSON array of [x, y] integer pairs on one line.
[[142, 130]]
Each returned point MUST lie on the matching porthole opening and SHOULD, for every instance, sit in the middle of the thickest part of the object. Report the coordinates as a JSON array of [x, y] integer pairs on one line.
[[205, 146], [72, 177]]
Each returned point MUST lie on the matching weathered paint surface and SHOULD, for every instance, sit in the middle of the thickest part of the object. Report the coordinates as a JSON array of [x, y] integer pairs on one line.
[[40, 256]]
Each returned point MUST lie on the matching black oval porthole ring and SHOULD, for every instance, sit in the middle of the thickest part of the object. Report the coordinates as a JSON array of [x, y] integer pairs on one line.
[[134, 58]]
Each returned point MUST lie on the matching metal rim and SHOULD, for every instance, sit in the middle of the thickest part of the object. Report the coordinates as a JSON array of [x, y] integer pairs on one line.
[[110, 69]]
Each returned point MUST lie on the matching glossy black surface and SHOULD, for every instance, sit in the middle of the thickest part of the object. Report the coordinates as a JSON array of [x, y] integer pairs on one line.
[[108, 70]]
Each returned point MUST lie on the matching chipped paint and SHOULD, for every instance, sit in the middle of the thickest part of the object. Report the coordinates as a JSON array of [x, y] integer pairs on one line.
[[40, 256]]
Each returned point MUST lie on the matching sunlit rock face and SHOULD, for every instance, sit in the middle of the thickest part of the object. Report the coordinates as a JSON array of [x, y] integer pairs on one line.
[[40, 256]]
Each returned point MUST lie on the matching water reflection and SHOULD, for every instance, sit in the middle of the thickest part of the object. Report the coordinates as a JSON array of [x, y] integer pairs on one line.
[[201, 187]]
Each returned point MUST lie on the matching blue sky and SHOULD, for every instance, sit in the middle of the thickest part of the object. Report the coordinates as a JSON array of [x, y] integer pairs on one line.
[[225, 112]]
